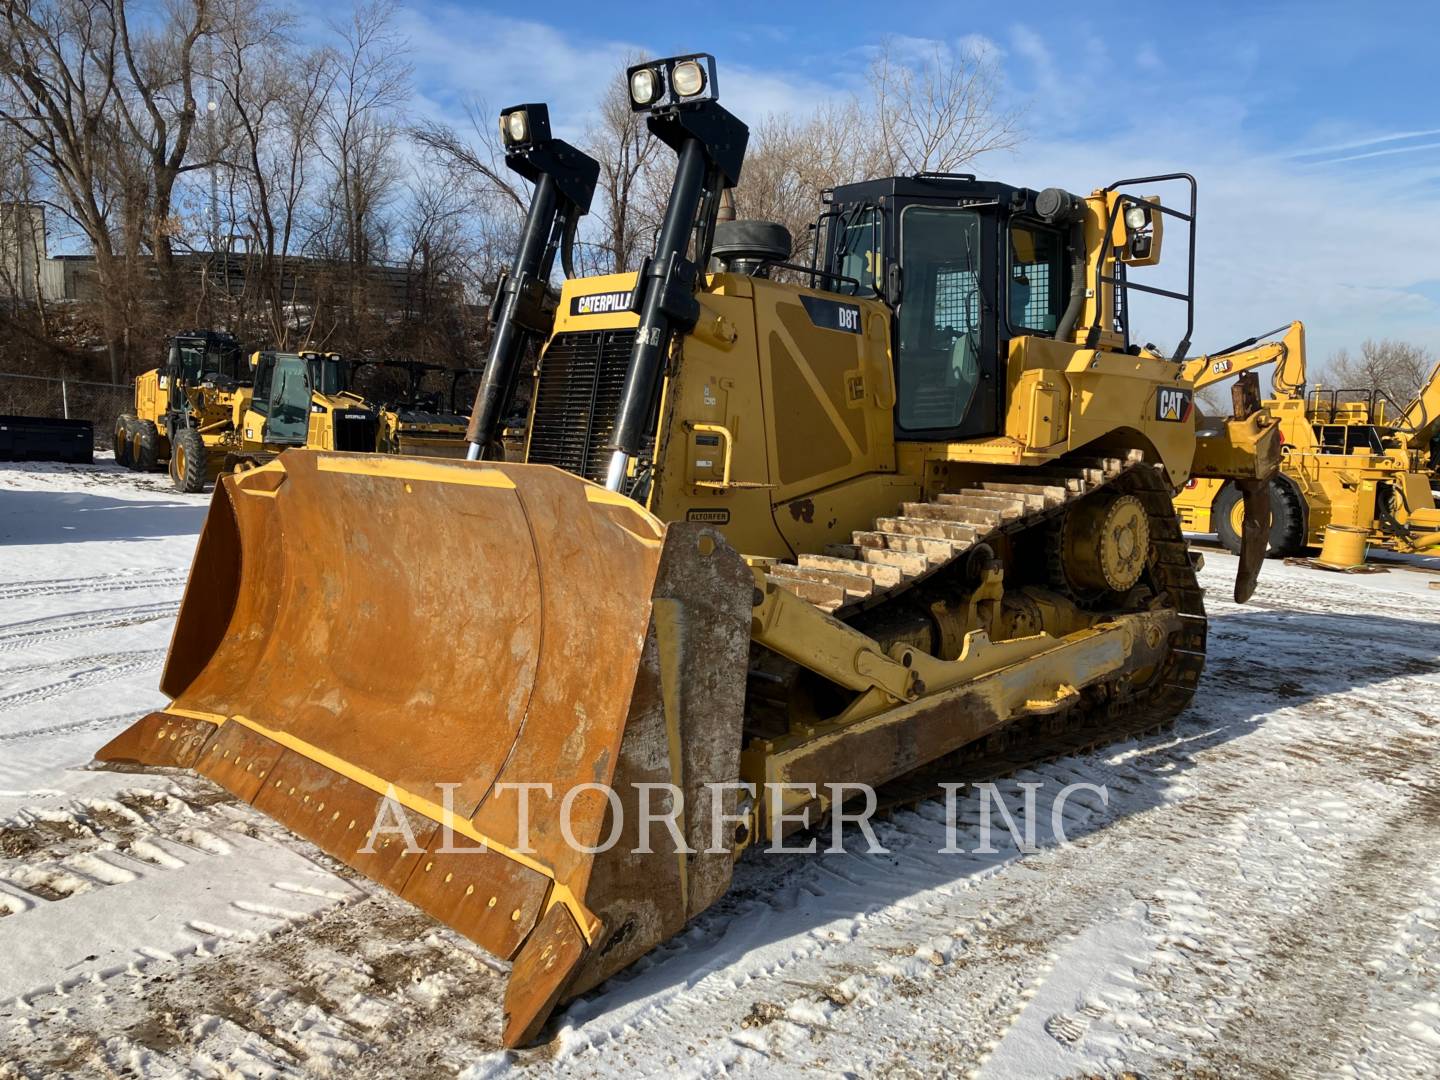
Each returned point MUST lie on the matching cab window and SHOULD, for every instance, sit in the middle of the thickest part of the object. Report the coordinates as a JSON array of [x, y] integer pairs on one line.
[[1037, 266], [862, 241], [327, 374], [939, 321], [289, 401]]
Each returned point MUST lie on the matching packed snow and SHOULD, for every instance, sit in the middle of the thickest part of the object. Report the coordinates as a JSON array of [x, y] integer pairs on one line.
[[1255, 893]]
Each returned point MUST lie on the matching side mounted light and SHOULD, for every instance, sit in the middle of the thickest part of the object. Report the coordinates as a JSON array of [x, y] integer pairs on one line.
[[523, 126]]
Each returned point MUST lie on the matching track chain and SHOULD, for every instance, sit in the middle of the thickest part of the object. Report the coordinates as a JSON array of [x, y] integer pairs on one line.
[[901, 552]]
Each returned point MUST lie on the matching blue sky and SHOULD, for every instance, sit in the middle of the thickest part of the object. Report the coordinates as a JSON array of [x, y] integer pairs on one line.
[[1314, 129]]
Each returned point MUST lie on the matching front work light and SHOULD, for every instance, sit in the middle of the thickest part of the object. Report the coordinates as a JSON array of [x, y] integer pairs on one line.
[[515, 127], [1136, 216], [644, 85], [678, 80], [524, 126], [688, 78]]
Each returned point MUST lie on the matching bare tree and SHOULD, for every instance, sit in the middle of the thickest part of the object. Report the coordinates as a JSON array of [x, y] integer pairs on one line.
[[473, 158], [158, 110], [934, 110], [930, 110], [621, 142], [490, 199], [272, 99], [58, 65], [1394, 368], [358, 130]]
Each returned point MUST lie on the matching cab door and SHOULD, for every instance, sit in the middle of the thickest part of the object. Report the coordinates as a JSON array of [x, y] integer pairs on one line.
[[286, 406], [946, 360]]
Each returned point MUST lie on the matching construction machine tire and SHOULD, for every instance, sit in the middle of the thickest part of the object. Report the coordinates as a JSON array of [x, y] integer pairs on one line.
[[1287, 519], [144, 445], [124, 435], [187, 462]]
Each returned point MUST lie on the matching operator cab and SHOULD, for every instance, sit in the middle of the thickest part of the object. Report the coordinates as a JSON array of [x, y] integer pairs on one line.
[[282, 395], [286, 387], [203, 357], [967, 265]]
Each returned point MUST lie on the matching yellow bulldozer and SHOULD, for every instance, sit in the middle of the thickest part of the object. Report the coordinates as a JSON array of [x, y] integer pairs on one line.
[[208, 411], [298, 399], [1350, 459], [772, 544]]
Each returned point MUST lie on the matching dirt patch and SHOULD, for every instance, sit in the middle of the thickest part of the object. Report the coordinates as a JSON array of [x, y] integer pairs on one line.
[[763, 1013], [144, 803], [19, 841]]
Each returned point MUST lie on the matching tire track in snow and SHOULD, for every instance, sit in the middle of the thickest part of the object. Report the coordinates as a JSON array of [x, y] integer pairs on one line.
[[53, 730], [155, 579], [83, 672], [34, 632]]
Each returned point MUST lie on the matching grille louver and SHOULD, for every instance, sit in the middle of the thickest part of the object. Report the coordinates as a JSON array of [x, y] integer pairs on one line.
[[577, 398], [355, 430]]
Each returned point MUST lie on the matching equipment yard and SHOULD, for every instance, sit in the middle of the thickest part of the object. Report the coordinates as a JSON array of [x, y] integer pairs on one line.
[[1260, 898]]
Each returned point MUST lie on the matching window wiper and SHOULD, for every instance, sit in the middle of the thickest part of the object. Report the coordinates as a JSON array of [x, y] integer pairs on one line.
[[985, 304]]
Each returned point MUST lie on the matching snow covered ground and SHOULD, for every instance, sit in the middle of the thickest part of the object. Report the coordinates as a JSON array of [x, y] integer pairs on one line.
[[1259, 896]]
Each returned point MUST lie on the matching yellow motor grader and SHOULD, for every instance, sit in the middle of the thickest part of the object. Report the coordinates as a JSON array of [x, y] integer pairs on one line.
[[184, 410], [1348, 460], [770, 542]]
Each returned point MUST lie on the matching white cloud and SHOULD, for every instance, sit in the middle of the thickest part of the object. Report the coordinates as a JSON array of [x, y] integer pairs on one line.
[[1275, 242], [1365, 143], [1386, 152], [464, 55], [1278, 239]]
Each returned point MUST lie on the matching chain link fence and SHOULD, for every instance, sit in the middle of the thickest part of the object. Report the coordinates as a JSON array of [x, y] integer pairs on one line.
[[72, 399]]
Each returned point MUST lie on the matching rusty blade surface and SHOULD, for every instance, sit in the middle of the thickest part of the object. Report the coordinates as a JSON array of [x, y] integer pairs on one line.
[[381, 652]]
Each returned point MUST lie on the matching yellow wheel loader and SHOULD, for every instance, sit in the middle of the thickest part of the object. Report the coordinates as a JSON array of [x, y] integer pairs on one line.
[[1345, 461], [771, 543], [410, 419], [184, 410]]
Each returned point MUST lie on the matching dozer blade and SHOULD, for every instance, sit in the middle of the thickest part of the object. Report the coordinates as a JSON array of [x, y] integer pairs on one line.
[[381, 652]]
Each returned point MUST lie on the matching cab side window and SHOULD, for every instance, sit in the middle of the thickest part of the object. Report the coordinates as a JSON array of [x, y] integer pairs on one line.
[[862, 241], [1035, 282]]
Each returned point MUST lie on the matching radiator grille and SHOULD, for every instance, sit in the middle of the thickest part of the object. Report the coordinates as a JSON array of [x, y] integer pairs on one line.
[[577, 398], [355, 430]]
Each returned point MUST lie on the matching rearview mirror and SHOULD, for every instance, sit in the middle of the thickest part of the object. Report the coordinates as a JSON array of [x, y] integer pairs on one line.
[[893, 284]]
